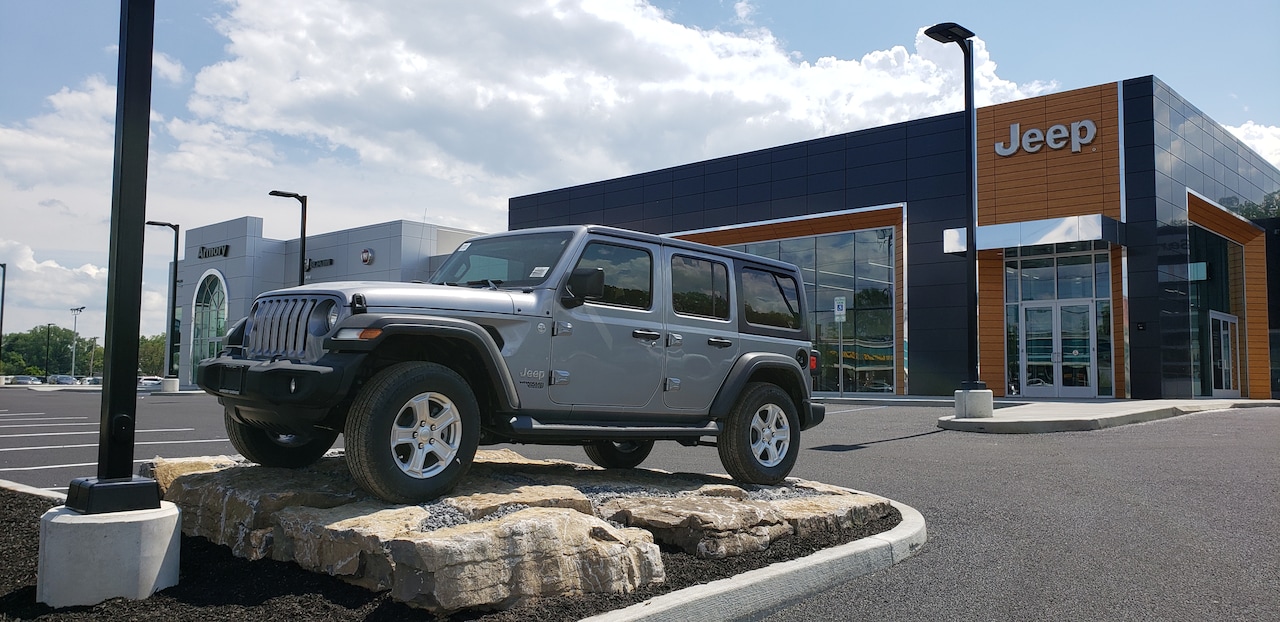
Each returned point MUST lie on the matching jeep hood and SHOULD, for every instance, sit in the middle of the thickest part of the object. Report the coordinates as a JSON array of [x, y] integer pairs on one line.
[[387, 297]]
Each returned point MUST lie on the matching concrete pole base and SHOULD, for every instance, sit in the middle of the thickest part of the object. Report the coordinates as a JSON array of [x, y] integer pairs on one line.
[[88, 558], [975, 404], [169, 385]]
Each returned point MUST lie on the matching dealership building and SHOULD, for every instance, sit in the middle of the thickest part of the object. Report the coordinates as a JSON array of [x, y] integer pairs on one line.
[[1115, 258]]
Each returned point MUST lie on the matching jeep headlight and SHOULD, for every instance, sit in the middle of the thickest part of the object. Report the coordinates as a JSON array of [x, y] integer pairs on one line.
[[323, 317]]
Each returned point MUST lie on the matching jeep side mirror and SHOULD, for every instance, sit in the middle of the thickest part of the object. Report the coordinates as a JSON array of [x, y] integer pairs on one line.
[[584, 284]]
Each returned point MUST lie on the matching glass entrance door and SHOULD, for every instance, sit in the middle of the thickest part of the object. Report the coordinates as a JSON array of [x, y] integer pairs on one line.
[[1224, 338], [1058, 353]]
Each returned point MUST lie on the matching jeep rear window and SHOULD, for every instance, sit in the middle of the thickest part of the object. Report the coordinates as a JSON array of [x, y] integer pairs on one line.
[[505, 261], [770, 299], [699, 287]]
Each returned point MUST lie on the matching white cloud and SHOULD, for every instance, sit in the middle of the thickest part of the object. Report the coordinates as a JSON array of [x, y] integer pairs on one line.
[[168, 68], [1265, 139]]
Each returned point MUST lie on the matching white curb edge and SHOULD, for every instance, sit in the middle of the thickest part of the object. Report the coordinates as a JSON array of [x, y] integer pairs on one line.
[[758, 593]]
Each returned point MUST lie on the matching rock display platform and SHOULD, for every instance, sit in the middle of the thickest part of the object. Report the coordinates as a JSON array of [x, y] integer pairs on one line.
[[514, 529]]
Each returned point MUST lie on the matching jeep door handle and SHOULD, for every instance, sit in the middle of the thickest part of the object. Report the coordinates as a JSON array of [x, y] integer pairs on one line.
[[647, 335], [717, 342]]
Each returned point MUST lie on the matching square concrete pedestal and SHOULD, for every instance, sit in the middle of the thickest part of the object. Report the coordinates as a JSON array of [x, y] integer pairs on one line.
[[88, 558], [975, 403]]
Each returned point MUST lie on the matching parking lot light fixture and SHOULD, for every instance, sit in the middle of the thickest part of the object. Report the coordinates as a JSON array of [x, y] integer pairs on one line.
[[75, 336], [302, 236], [973, 391]]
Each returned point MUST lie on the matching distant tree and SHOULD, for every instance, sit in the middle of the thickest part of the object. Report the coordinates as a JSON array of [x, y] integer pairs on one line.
[[1270, 207], [151, 355]]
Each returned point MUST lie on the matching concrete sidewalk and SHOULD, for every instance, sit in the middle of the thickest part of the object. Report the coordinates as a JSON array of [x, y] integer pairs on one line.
[[1055, 416]]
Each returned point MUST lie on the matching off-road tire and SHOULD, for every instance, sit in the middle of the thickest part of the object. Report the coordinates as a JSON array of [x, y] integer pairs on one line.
[[761, 436], [387, 424], [618, 454], [277, 450]]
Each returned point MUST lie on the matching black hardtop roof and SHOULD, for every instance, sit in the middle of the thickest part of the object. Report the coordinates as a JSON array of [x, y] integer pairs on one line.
[[640, 236]]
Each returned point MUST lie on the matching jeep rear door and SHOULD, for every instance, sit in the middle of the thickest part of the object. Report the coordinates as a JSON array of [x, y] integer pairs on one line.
[[609, 352], [702, 341]]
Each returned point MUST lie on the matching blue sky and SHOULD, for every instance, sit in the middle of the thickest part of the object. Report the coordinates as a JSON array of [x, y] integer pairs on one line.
[[440, 111]]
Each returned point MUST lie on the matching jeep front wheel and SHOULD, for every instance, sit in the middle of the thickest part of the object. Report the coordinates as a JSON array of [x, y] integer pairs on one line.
[[412, 432], [289, 451], [761, 436], [619, 454]]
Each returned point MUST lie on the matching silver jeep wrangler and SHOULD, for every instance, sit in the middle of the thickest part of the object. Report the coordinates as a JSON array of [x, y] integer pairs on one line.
[[577, 335]]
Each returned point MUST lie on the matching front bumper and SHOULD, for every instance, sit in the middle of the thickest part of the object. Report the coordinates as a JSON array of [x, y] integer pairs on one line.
[[281, 395]]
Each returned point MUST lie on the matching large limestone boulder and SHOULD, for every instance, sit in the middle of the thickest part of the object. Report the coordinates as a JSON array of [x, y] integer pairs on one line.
[[514, 529], [708, 527]]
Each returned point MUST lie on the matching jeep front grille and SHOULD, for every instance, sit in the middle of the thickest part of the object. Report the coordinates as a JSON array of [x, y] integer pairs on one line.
[[278, 326]]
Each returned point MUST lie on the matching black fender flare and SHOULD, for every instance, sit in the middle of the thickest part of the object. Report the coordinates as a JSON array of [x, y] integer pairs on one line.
[[397, 325], [782, 369]]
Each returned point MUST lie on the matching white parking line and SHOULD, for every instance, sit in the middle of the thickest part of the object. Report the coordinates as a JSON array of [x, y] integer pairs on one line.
[[849, 410], [46, 447], [90, 432], [63, 466], [48, 419], [44, 425], [20, 414]]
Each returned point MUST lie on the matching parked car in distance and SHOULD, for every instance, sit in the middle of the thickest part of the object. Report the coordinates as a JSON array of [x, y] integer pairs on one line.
[[149, 382], [61, 379], [94, 380], [25, 380]]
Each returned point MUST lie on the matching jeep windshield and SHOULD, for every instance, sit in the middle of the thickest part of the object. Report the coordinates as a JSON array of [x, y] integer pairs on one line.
[[504, 261]]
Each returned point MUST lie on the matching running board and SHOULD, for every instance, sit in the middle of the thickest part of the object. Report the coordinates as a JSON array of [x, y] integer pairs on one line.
[[525, 425]]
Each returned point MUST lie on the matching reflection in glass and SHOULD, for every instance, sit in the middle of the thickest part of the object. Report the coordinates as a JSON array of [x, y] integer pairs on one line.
[[1075, 277], [1038, 341], [1037, 279], [1076, 353]]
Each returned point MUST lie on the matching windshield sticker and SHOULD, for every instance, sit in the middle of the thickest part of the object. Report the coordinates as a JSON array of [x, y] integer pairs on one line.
[[465, 246], [539, 272]]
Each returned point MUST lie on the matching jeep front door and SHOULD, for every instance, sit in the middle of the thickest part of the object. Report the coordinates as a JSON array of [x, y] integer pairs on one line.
[[608, 352]]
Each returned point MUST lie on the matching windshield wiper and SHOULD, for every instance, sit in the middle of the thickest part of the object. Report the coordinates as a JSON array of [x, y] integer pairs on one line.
[[492, 283]]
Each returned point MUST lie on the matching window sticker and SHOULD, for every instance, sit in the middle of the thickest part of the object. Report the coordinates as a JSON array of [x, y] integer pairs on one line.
[[539, 272], [465, 246]]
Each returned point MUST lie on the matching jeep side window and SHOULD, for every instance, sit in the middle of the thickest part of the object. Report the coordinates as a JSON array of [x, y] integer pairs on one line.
[[699, 287], [770, 299], [628, 274]]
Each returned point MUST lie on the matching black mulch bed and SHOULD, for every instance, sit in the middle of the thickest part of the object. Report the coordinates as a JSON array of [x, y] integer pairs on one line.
[[214, 585]]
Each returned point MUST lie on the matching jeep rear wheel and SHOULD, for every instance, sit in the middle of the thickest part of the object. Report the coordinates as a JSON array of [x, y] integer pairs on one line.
[[289, 451], [761, 436], [619, 454], [412, 432]]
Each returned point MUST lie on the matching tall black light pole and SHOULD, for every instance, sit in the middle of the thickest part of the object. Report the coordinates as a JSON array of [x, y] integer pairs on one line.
[[75, 336], [171, 331], [47, 328], [4, 275], [302, 237], [951, 32]]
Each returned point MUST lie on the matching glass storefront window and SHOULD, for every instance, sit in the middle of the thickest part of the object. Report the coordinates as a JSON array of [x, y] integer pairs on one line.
[[1102, 275], [1075, 277], [859, 354], [1011, 281], [209, 322], [1011, 331], [1037, 279], [1103, 332]]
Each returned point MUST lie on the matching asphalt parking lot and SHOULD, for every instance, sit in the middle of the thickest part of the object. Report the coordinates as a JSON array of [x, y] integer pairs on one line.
[[1175, 519]]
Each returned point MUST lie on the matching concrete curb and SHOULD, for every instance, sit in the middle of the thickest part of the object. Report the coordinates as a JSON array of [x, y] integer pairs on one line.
[[758, 593], [16, 487]]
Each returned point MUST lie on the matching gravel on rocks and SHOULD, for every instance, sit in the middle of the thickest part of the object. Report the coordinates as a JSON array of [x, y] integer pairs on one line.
[[215, 585]]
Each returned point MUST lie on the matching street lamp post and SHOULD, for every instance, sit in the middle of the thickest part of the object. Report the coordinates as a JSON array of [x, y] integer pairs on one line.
[[171, 330], [973, 391], [4, 275], [47, 327], [75, 336], [302, 237]]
